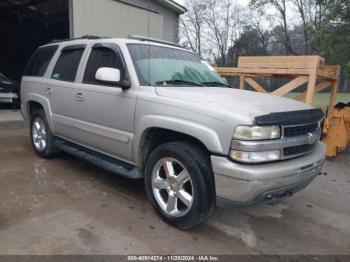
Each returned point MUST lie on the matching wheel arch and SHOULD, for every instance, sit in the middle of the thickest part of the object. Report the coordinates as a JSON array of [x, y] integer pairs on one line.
[[156, 131], [35, 102]]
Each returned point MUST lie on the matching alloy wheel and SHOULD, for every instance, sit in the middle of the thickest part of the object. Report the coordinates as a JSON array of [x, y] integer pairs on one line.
[[172, 187], [39, 134]]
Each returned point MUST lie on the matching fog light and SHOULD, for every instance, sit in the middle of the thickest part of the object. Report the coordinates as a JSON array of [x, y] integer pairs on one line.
[[255, 157]]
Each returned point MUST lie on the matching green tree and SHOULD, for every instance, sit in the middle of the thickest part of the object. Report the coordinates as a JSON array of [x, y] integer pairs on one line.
[[331, 35]]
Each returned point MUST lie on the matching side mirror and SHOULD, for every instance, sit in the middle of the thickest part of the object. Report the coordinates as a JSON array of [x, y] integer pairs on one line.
[[111, 76]]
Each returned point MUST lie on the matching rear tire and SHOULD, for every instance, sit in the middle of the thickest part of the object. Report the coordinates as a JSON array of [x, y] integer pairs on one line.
[[180, 184], [42, 140]]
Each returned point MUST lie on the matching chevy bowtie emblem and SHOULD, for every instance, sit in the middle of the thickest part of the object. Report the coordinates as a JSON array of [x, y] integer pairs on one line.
[[312, 138]]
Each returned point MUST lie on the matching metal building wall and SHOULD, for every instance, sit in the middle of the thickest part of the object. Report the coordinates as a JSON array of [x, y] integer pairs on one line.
[[114, 19], [171, 18]]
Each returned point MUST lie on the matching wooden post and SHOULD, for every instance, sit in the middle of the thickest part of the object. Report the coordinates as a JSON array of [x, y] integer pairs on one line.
[[295, 83], [241, 82], [255, 85], [332, 98], [323, 85], [311, 88]]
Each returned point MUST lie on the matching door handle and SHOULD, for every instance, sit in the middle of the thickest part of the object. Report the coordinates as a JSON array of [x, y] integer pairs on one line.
[[79, 97], [48, 91]]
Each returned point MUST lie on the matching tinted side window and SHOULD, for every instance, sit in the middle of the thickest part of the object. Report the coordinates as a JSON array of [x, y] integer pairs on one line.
[[39, 62], [67, 64], [101, 57]]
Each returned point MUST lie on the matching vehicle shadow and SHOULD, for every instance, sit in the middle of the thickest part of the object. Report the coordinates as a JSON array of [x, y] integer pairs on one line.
[[133, 188]]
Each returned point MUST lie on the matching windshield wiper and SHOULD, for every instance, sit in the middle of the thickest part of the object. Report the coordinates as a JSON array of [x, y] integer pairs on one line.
[[214, 83], [165, 82]]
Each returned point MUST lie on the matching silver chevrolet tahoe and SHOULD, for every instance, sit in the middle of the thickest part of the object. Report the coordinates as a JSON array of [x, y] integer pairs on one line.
[[143, 108]]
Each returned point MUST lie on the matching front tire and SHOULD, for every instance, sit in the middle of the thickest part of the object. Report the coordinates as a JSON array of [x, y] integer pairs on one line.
[[43, 141], [180, 184]]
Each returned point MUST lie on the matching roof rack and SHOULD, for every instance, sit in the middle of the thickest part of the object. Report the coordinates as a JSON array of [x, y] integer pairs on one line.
[[155, 40], [89, 37]]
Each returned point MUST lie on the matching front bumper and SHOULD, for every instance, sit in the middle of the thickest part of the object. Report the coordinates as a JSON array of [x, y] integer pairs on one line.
[[248, 184]]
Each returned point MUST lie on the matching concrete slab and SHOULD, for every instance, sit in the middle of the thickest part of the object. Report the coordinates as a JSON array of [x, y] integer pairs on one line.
[[10, 115], [66, 206]]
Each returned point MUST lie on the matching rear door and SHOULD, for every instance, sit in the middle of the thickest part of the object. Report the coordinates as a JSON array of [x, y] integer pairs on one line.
[[36, 73], [105, 113], [61, 89]]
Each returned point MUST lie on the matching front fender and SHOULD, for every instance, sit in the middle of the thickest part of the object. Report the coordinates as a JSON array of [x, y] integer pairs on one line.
[[204, 134]]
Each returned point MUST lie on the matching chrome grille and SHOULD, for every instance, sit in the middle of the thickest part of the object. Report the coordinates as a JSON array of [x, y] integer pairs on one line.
[[297, 150], [298, 131], [291, 131]]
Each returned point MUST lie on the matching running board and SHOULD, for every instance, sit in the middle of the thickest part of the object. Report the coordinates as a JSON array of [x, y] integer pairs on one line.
[[105, 162]]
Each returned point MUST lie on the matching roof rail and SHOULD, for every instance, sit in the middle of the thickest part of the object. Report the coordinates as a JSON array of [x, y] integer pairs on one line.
[[155, 40], [89, 37], [92, 37]]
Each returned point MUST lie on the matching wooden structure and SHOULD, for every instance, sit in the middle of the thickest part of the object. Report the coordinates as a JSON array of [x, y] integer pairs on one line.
[[301, 70]]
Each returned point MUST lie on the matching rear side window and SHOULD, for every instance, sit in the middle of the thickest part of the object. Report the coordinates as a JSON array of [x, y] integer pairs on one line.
[[67, 64], [39, 62], [101, 57]]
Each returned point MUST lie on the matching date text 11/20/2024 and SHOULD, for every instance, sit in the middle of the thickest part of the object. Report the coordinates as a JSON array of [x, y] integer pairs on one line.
[[173, 258]]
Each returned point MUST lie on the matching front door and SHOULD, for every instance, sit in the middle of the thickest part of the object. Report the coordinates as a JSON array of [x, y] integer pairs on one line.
[[105, 113]]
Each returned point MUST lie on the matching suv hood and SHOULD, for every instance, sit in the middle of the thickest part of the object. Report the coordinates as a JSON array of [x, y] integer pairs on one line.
[[248, 103]]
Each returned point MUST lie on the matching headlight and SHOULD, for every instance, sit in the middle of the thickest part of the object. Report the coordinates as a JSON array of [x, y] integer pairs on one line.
[[255, 157], [257, 132]]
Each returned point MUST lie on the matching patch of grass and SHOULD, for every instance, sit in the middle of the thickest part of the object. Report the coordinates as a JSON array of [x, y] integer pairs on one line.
[[321, 100]]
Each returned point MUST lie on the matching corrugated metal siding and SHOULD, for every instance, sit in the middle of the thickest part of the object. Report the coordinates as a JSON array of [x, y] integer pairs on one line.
[[112, 18], [171, 19]]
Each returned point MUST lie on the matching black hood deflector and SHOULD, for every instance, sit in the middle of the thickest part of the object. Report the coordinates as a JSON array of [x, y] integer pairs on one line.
[[290, 118]]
